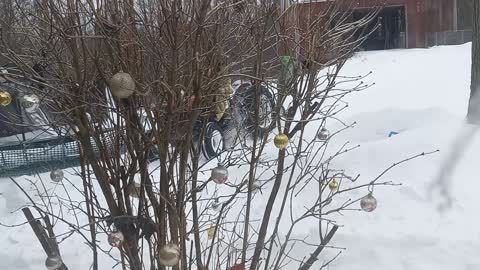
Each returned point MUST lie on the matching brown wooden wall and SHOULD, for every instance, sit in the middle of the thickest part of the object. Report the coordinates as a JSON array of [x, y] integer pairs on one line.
[[422, 16]]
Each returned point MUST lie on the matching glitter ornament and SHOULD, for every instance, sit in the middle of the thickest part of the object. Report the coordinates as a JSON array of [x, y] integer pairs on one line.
[[256, 186], [53, 262], [5, 98], [323, 134], [281, 141], [56, 175], [116, 238], [219, 174], [169, 255], [333, 185], [122, 85], [30, 103], [211, 232], [368, 203]]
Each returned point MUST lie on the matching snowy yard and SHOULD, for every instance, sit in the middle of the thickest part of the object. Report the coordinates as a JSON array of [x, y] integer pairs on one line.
[[422, 94]]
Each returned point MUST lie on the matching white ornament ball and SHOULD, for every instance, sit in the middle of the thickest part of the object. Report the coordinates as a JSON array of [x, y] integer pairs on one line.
[[30, 103], [56, 175], [122, 85], [169, 255], [53, 262]]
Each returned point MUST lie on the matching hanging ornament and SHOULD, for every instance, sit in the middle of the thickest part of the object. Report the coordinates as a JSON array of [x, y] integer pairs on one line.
[[211, 232], [216, 205], [256, 185], [368, 203], [219, 174], [5, 98], [333, 185], [237, 267], [323, 134], [122, 85], [30, 103], [115, 238], [169, 255], [135, 192], [281, 141], [53, 262], [56, 175]]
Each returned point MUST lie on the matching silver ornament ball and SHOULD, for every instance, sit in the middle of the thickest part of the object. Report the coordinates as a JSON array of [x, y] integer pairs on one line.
[[30, 103], [323, 134], [122, 85], [53, 262], [219, 174], [56, 175], [256, 186], [368, 203], [169, 255], [116, 238]]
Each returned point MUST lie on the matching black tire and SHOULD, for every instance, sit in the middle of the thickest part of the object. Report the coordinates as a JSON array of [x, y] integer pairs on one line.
[[213, 143], [266, 113]]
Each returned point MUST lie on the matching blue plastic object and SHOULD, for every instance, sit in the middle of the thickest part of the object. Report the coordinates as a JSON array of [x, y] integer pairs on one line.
[[392, 133]]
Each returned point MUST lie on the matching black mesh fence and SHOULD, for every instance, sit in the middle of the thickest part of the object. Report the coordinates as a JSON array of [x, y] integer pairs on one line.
[[41, 156]]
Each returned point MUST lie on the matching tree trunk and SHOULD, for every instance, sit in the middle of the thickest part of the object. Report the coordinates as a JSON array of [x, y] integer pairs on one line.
[[473, 115]]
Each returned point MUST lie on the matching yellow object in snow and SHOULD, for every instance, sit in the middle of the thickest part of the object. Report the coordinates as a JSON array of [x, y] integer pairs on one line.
[[211, 232], [5, 98], [281, 141]]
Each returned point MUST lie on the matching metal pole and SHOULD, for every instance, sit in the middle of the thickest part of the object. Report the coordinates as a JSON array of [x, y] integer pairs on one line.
[[455, 16]]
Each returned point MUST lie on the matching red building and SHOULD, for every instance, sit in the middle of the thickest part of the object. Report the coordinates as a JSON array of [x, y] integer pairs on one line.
[[408, 23]]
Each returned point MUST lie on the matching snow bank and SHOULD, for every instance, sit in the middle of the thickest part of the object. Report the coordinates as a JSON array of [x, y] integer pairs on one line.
[[422, 95]]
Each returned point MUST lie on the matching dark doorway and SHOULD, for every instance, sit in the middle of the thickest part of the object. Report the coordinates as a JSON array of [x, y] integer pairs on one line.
[[390, 32]]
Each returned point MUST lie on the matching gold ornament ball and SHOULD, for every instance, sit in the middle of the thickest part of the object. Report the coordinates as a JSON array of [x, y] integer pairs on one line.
[[211, 232], [333, 185], [122, 85], [281, 141], [5, 98]]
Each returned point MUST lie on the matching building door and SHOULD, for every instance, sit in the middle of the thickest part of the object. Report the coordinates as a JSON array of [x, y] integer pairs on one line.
[[386, 31]]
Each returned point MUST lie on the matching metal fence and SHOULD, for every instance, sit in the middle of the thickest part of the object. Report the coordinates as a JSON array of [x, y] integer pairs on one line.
[[41, 156]]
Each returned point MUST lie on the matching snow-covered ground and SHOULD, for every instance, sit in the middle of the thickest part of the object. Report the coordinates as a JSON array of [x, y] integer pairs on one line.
[[430, 222]]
